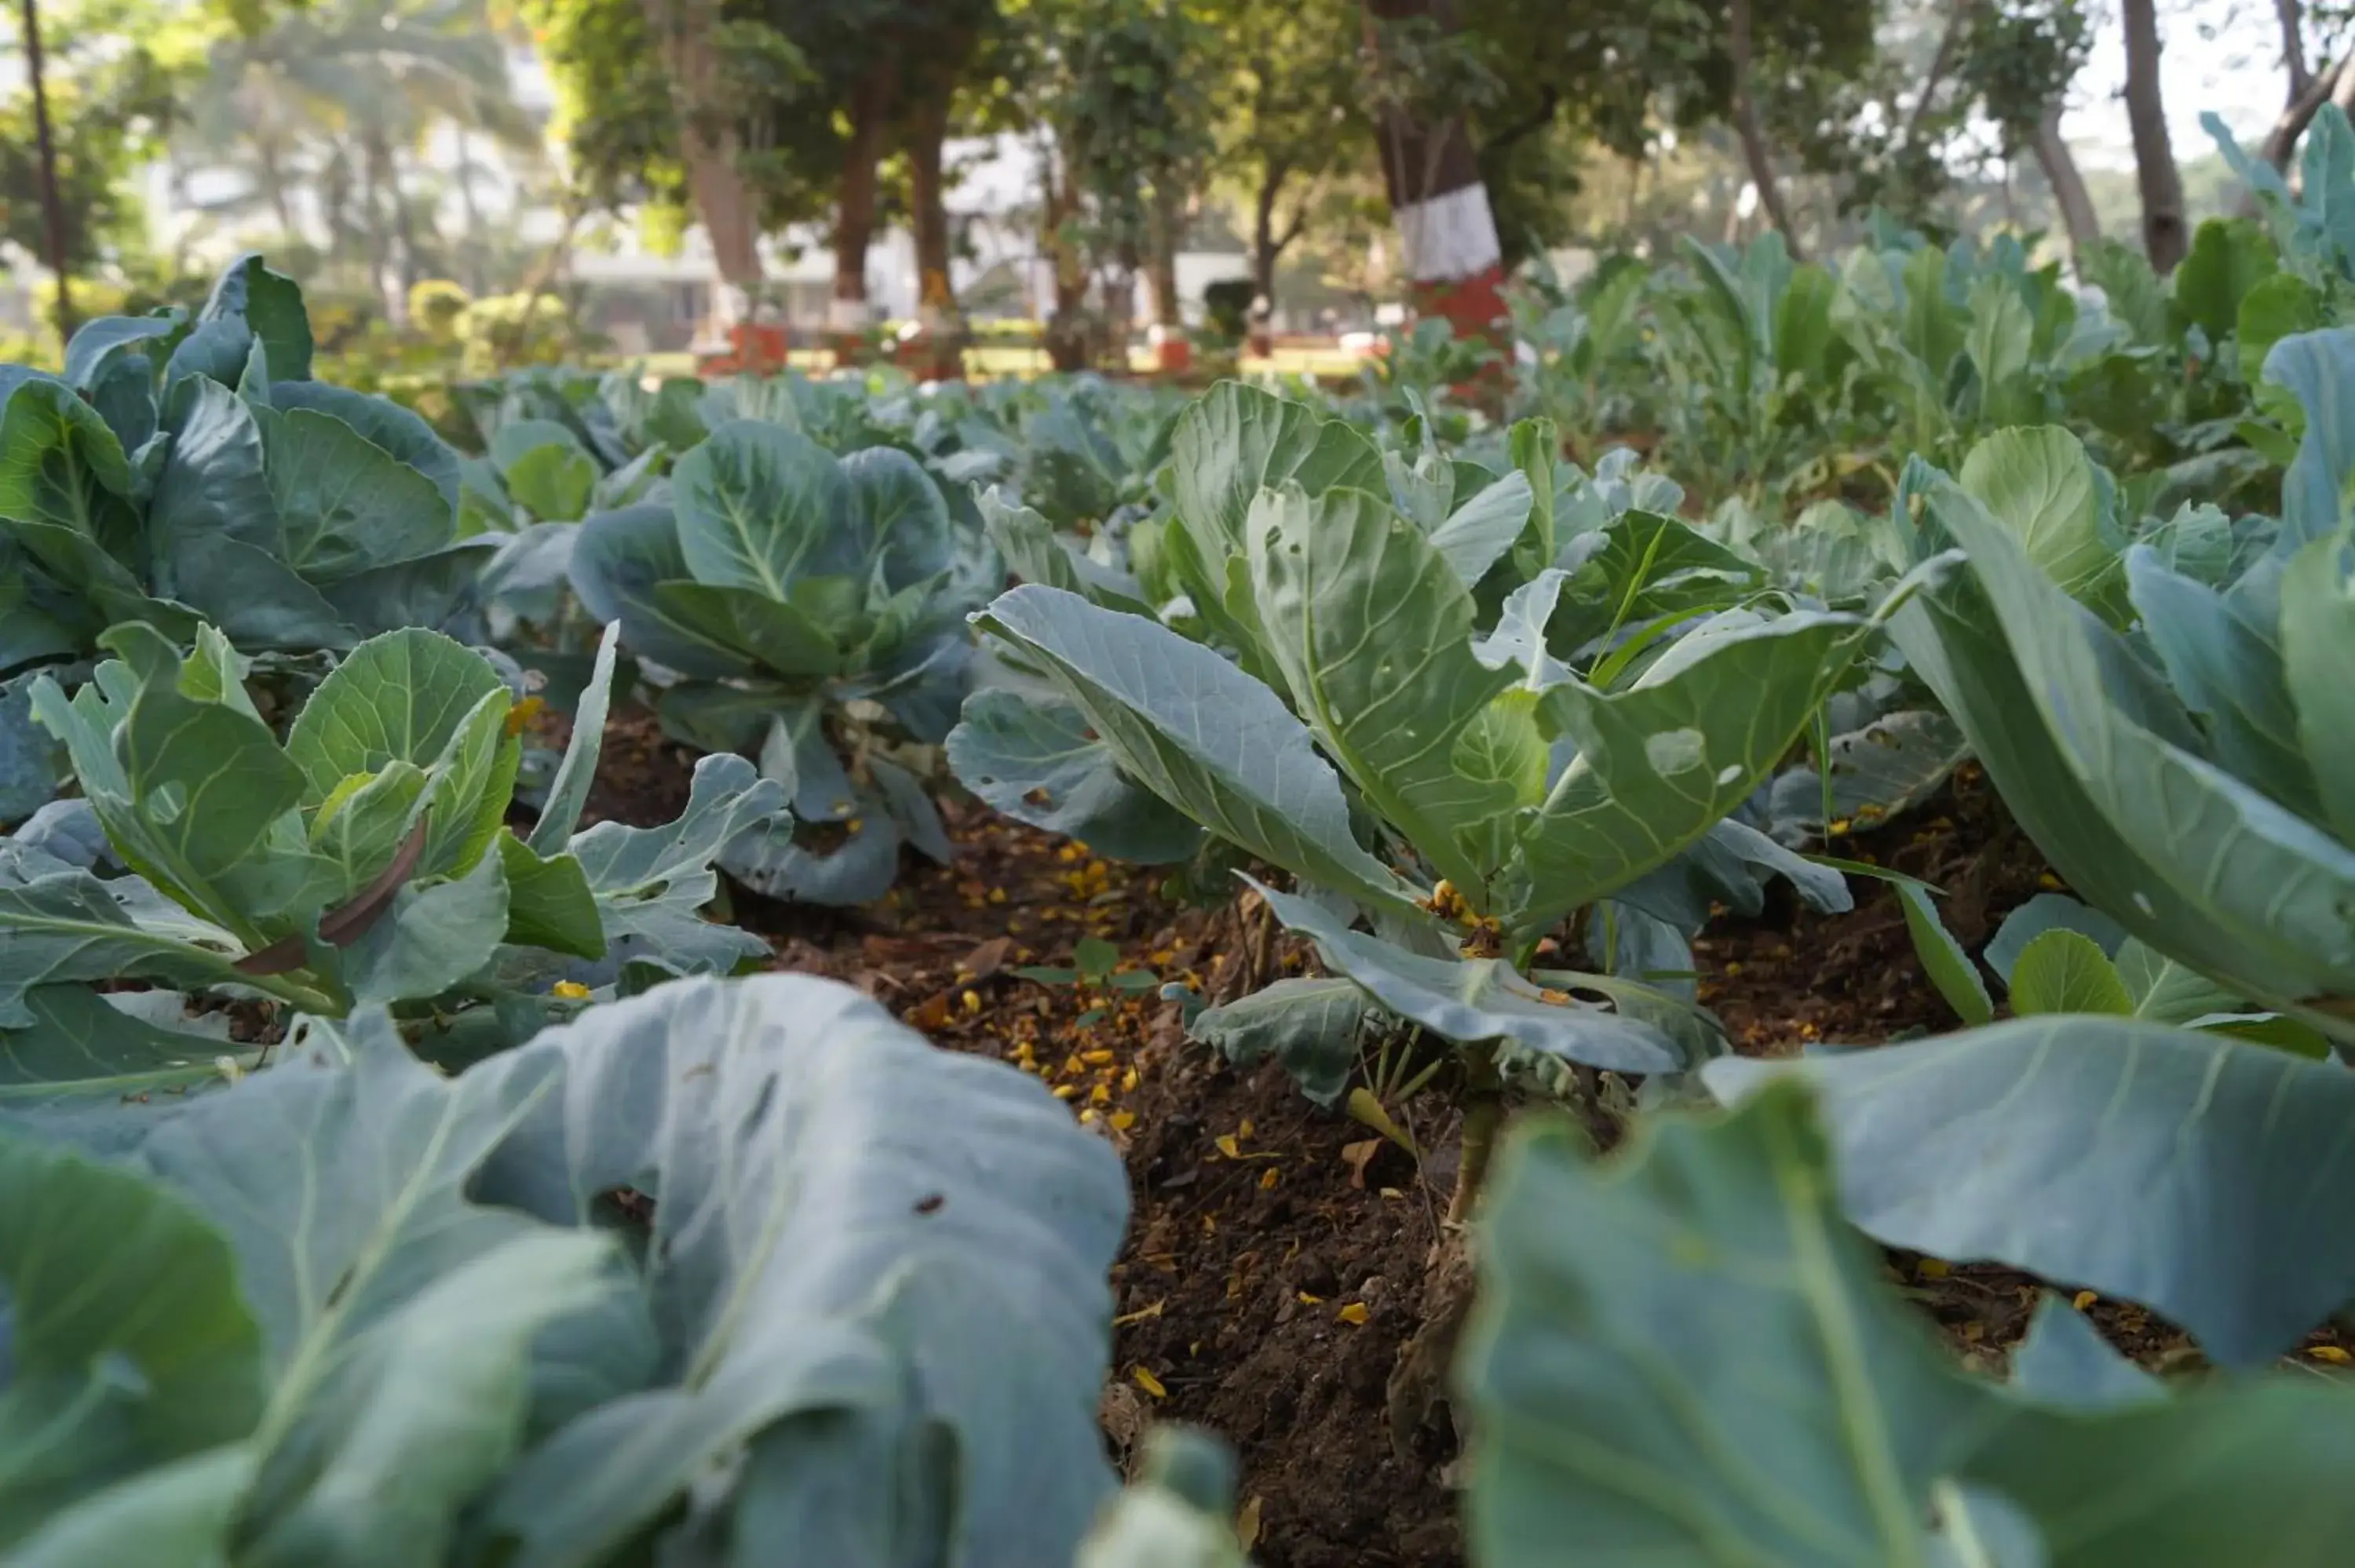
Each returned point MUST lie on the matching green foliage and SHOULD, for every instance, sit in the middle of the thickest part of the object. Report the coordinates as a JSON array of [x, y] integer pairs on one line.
[[362, 859], [1329, 668], [810, 610], [405, 1329]]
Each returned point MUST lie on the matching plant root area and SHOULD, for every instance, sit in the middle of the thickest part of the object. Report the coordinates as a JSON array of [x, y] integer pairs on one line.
[[1277, 1256]]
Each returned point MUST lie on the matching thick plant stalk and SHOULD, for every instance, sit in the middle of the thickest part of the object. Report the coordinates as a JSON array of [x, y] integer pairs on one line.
[[1483, 1117]]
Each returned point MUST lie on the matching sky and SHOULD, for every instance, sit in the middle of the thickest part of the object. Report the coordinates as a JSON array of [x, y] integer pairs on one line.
[[2224, 55]]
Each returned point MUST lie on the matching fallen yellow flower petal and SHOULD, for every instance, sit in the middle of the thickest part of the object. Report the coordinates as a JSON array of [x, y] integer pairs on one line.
[[2082, 1299], [1149, 1383], [1355, 1312], [571, 990]]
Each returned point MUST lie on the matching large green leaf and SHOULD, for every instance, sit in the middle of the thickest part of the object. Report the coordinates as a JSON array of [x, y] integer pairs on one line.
[[128, 1343], [1032, 758], [1309, 1027], [1205, 738], [777, 634], [1686, 1360], [2193, 1173], [761, 507], [560, 812], [187, 780], [1473, 999], [2318, 641], [2224, 660], [900, 518], [1660, 763], [2319, 369], [385, 423], [81, 1048], [618, 560], [60, 465], [2228, 257], [871, 1261], [2193, 860], [651, 883], [214, 488], [1370, 629], [2039, 484], [438, 935], [1027, 543], [1235, 440], [346, 504], [2066, 971], [1683, 1359], [70, 925], [270, 304]]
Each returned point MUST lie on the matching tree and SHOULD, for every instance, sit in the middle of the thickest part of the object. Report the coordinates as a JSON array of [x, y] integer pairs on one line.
[[709, 106], [2018, 58], [1424, 81], [2166, 236], [1290, 116], [336, 98], [87, 116]]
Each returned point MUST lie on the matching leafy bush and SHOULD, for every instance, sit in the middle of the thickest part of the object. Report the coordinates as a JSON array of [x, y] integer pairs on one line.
[[405, 1326], [188, 470], [2162, 718], [363, 860], [1351, 723], [1683, 1352], [809, 609]]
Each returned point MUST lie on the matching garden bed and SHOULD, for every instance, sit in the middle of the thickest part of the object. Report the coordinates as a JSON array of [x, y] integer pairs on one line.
[[1276, 1250]]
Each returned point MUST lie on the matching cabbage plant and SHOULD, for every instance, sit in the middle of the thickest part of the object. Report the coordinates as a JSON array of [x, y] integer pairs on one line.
[[1461, 780], [809, 611], [1683, 1354], [2168, 722], [864, 1322], [364, 859], [185, 470]]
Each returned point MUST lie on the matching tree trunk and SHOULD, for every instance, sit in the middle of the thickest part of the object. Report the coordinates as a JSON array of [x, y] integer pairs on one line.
[[1068, 337], [722, 199], [1266, 250], [53, 211], [404, 229], [846, 315], [2069, 192], [471, 211], [1746, 124], [378, 244], [941, 329], [273, 180], [2282, 140], [2289, 15], [2165, 233], [1949, 45], [1452, 262], [1173, 351]]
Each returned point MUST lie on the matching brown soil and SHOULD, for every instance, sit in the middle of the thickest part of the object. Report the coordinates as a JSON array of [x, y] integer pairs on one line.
[[1277, 1252]]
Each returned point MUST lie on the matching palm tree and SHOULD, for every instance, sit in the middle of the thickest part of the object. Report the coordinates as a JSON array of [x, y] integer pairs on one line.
[[337, 103]]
